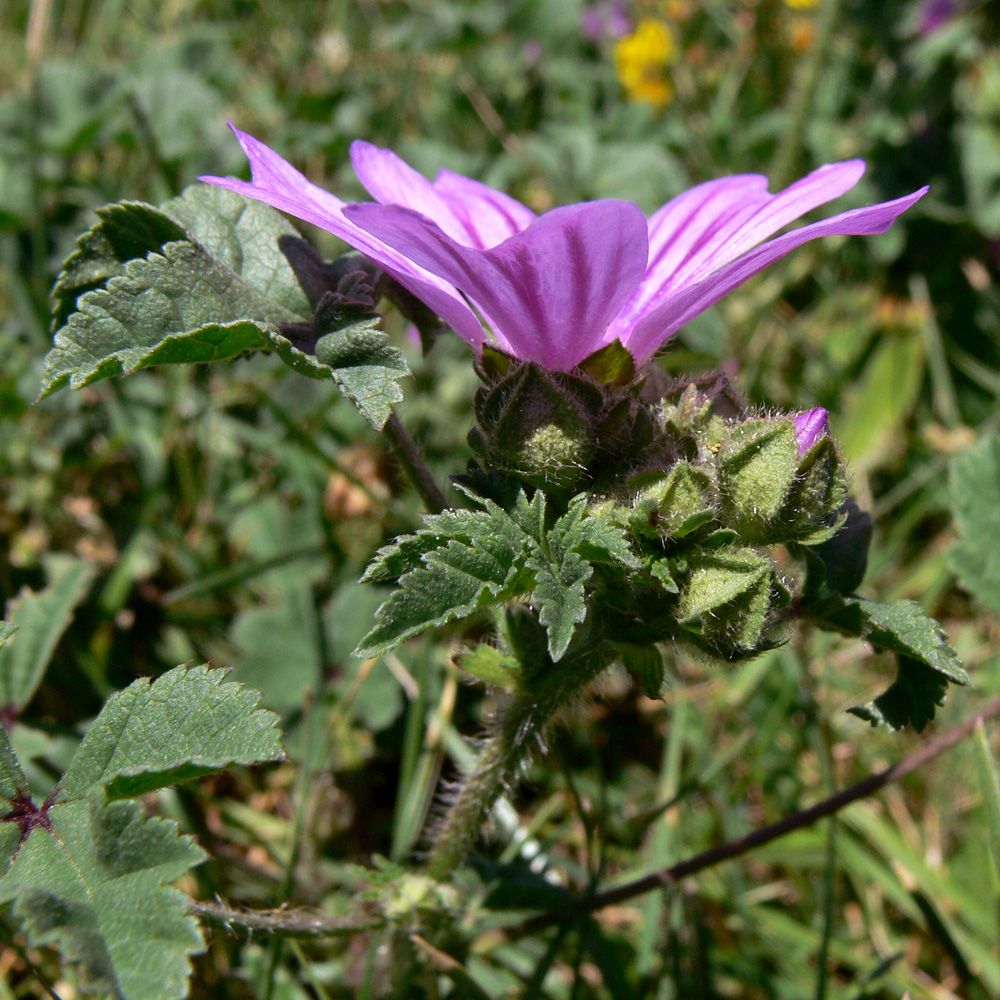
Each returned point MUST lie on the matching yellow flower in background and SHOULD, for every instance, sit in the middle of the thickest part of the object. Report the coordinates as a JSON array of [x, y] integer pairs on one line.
[[641, 59], [801, 4]]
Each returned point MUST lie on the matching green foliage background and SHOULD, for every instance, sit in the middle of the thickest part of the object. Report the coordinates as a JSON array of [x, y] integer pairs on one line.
[[225, 513]]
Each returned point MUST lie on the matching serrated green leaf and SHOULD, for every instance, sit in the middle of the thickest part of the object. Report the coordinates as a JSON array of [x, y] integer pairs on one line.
[[454, 580], [242, 234], [178, 305], [975, 501], [13, 783], [362, 362], [93, 882], [126, 231], [560, 596], [185, 724], [199, 280], [905, 628], [41, 620], [466, 560], [910, 700], [927, 663], [562, 563]]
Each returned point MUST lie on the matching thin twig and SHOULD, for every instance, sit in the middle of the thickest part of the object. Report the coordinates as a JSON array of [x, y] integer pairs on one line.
[[765, 834], [296, 923], [413, 462]]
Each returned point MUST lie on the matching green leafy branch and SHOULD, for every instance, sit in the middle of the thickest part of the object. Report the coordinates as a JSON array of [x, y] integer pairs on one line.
[[464, 560]]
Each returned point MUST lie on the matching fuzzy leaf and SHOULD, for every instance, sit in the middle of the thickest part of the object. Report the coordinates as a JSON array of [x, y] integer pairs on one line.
[[185, 724], [127, 230], [178, 305], [454, 580], [910, 700], [927, 663], [560, 596], [244, 236], [203, 279], [13, 783], [563, 564], [41, 620], [975, 501], [93, 881], [361, 361]]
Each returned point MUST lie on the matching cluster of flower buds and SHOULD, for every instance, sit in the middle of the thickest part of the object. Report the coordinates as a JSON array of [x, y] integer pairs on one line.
[[715, 500]]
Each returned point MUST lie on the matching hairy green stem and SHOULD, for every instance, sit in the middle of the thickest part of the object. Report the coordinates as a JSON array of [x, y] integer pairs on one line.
[[520, 722], [414, 465]]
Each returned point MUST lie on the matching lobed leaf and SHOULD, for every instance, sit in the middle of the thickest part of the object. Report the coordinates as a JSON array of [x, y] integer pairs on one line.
[[927, 663], [92, 881], [185, 724], [465, 560], [204, 279], [177, 305]]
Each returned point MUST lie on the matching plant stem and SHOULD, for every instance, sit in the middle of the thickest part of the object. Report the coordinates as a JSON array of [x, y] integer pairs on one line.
[[414, 465], [765, 834], [521, 720], [288, 923]]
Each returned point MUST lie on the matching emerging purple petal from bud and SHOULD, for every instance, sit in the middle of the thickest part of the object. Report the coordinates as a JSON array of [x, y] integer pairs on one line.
[[810, 426]]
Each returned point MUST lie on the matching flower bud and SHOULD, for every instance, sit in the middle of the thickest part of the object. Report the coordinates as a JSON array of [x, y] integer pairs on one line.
[[727, 600], [674, 503], [757, 466], [781, 480]]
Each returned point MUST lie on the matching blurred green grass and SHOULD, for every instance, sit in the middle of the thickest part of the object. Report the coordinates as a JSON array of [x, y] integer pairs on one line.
[[228, 511]]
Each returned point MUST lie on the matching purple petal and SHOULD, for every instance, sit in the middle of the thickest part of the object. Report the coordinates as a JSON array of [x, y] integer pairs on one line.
[[712, 224], [551, 290], [468, 211], [391, 181], [277, 183], [488, 216], [810, 426], [669, 313]]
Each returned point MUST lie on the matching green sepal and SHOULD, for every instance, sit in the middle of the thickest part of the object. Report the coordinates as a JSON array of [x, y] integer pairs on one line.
[[536, 426], [676, 503], [727, 599], [819, 492], [611, 365], [757, 464], [661, 571]]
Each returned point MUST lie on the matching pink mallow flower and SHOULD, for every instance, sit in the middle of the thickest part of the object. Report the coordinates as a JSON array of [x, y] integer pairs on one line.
[[555, 288]]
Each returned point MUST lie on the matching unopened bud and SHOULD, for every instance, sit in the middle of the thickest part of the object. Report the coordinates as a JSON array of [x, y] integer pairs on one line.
[[727, 600], [674, 503], [757, 466]]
